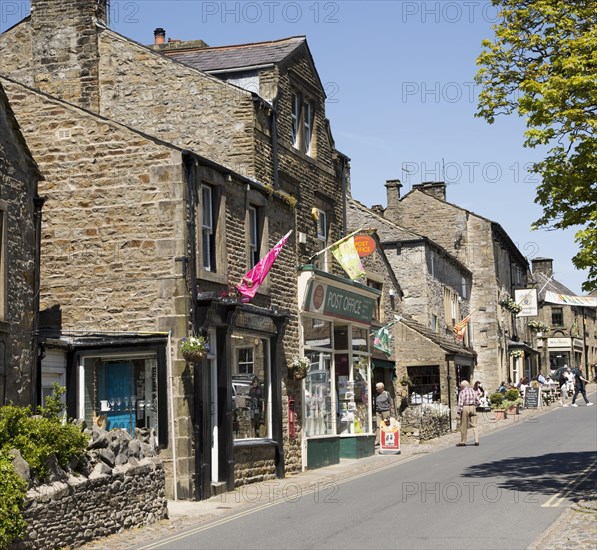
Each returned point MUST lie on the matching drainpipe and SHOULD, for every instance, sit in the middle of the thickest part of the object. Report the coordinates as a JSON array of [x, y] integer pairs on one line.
[[172, 424], [344, 200], [274, 138], [38, 203]]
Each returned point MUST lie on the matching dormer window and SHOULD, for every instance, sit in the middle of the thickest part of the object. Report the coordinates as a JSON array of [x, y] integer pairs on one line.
[[302, 117]]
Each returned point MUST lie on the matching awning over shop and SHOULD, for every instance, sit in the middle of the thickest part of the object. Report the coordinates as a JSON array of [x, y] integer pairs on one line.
[[382, 364]]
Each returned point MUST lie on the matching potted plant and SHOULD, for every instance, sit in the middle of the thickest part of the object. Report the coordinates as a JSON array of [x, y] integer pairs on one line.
[[497, 400], [299, 367], [194, 348], [512, 401]]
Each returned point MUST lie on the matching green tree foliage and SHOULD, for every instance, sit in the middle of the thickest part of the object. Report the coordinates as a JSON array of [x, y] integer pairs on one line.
[[37, 437], [12, 489], [542, 64]]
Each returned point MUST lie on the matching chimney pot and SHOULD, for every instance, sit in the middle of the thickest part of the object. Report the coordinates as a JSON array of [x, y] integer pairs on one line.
[[160, 36]]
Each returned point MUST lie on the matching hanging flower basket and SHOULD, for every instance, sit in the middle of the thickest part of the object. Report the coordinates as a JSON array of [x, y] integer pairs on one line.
[[516, 353], [299, 367], [538, 326], [194, 348], [511, 305]]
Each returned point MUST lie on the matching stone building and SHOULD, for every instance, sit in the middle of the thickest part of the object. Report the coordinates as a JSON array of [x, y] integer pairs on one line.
[[262, 162], [570, 333], [20, 218], [433, 295], [502, 341]]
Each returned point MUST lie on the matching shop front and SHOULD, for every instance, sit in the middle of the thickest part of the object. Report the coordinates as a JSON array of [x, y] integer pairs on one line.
[[335, 323], [238, 396], [564, 351], [113, 382]]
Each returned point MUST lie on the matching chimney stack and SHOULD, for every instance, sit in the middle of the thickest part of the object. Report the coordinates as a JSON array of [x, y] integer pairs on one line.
[[159, 36], [436, 189], [393, 197], [543, 265]]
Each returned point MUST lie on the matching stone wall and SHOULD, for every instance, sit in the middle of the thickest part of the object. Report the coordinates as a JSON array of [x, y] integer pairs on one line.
[[469, 237], [114, 223], [18, 188], [156, 95], [60, 69], [76, 511], [114, 220]]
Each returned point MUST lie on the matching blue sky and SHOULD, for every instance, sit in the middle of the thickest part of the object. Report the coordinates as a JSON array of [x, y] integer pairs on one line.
[[399, 76]]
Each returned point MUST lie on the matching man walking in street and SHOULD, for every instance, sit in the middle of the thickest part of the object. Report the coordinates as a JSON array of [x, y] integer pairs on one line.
[[384, 405], [579, 387], [468, 401]]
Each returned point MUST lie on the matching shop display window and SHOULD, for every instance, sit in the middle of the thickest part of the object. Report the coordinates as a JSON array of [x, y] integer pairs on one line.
[[337, 386], [251, 395], [320, 408], [121, 393]]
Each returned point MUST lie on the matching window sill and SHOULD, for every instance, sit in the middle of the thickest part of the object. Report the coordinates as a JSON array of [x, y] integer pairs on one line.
[[255, 443]]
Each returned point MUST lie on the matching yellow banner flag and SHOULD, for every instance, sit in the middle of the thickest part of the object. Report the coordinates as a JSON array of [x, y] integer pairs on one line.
[[346, 253]]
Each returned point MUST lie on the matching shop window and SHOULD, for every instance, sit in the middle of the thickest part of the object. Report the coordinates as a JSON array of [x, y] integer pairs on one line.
[[251, 391], [3, 282], [320, 410], [121, 393], [425, 384], [245, 360], [208, 234], [318, 333], [557, 317]]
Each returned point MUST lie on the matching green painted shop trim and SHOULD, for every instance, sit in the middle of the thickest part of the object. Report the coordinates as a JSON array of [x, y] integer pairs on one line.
[[383, 364], [323, 452], [358, 446]]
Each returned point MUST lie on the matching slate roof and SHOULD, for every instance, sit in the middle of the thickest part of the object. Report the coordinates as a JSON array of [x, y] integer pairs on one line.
[[443, 343], [235, 57], [554, 286]]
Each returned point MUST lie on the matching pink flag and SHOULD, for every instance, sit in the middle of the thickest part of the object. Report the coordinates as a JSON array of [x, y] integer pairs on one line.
[[254, 278]]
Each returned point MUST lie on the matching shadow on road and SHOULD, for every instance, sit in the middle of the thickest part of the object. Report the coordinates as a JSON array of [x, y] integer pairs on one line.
[[547, 474]]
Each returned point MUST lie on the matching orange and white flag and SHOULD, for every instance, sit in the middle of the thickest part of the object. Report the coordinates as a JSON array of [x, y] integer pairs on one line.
[[460, 328]]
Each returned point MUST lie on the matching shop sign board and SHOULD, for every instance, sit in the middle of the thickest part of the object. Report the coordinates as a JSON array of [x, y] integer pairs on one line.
[[527, 299], [365, 245], [558, 343], [531, 398], [252, 321], [333, 301], [389, 437]]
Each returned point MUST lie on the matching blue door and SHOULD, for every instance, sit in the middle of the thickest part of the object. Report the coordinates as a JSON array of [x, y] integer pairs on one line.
[[116, 385]]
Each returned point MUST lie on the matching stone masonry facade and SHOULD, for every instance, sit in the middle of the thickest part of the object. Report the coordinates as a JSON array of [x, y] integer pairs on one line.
[[475, 241], [18, 189]]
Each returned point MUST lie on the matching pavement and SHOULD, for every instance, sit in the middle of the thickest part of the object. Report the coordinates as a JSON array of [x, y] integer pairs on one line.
[[575, 528]]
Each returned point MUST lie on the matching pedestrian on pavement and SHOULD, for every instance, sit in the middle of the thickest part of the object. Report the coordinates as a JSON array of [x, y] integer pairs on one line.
[[563, 389], [570, 377], [384, 405], [579, 387], [468, 401]]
